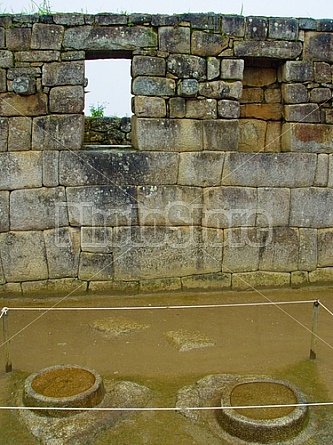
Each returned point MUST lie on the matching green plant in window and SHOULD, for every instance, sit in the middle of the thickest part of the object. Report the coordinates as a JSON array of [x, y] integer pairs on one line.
[[97, 110]]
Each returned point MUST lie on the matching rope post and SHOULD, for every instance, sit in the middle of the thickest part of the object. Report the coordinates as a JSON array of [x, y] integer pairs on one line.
[[4, 316], [314, 337]]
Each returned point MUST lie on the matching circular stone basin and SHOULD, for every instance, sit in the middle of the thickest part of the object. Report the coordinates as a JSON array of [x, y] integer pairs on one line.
[[63, 386], [263, 425]]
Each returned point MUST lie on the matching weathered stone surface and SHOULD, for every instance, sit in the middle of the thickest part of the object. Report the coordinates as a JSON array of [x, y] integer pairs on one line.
[[169, 206], [12, 104], [4, 211], [252, 96], [323, 275], [38, 209], [107, 287], [18, 39], [62, 252], [294, 93], [283, 28], [188, 87], [228, 109], [69, 19], [11, 289], [301, 137], [252, 135], [162, 252], [154, 86], [273, 137], [160, 285], [299, 278], [259, 77], [328, 116], [149, 106], [325, 25], [95, 266], [63, 73], [278, 50], [318, 47], [46, 36], [96, 239], [273, 95], [307, 24], [205, 44], [186, 66], [201, 109], [20, 170], [233, 25], [50, 168], [273, 207], [101, 206], [167, 134], [297, 71], [271, 112], [219, 89], [269, 170], [321, 177], [322, 72], [72, 55], [302, 113], [230, 207], [2, 37], [280, 250], [58, 132], [148, 66], [117, 168], [23, 256], [207, 281], [200, 169], [177, 107], [311, 207], [4, 130], [109, 38], [256, 28], [6, 59], [232, 69], [260, 279], [58, 287], [3, 81], [37, 56], [319, 95], [174, 40], [221, 134], [213, 68], [307, 249], [19, 137], [241, 250], [24, 86], [66, 99], [111, 19]]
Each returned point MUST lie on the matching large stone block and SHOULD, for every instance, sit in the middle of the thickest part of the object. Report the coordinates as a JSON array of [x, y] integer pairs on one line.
[[186, 66], [4, 211], [271, 112], [58, 132], [18, 39], [169, 206], [160, 285], [63, 73], [62, 252], [177, 107], [279, 249], [201, 169], [241, 250], [278, 50], [67, 99], [233, 25], [206, 282], [269, 170], [96, 239], [19, 137], [111, 287], [23, 256], [230, 207], [201, 109], [148, 66], [50, 168], [38, 209], [256, 28], [302, 113], [319, 95], [273, 207], [153, 86], [259, 77], [6, 59], [311, 207], [120, 38], [228, 109], [12, 104], [283, 28], [117, 168], [252, 134], [4, 130], [213, 68], [273, 137], [316, 138], [174, 39], [3, 80], [308, 249], [273, 95], [149, 106], [221, 134], [321, 178], [322, 72], [218, 89], [205, 44], [46, 36], [321, 276], [20, 170], [232, 69], [37, 56], [188, 87], [95, 266], [102, 206], [61, 287], [163, 252], [294, 93], [318, 46], [167, 134], [259, 279]]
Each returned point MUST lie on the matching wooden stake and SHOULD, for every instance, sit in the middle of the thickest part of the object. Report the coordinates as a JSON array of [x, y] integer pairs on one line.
[[314, 337], [8, 365]]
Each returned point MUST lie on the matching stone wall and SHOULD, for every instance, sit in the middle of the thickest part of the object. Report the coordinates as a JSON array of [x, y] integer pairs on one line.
[[228, 182]]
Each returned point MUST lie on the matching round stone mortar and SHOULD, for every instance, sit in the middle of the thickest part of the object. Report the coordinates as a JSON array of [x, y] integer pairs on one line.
[[263, 425], [63, 386]]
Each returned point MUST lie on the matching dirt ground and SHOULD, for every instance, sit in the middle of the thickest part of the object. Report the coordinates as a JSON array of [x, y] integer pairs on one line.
[[273, 340]]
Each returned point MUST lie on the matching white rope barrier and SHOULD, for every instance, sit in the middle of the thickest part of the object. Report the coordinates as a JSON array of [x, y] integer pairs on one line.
[[326, 309]]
